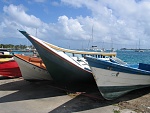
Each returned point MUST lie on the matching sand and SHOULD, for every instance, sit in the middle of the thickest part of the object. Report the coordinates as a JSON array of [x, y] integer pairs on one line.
[[20, 96]]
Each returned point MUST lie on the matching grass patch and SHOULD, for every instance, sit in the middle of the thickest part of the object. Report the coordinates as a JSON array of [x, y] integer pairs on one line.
[[116, 111]]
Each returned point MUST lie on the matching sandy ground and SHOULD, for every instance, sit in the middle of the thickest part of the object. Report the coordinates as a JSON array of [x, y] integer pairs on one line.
[[20, 96]]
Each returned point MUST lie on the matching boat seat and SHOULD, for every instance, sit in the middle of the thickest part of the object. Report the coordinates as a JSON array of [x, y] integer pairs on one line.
[[36, 60]]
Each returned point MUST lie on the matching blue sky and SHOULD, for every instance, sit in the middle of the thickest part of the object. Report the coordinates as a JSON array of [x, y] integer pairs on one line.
[[69, 23]]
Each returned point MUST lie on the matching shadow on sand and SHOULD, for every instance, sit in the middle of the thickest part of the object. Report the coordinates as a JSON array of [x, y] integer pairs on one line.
[[90, 99]]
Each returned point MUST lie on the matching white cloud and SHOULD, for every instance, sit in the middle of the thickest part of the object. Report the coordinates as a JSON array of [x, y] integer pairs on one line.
[[71, 28], [123, 21], [16, 18], [18, 13]]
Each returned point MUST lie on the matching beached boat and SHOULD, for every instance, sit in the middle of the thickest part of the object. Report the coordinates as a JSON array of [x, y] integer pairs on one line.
[[64, 65], [9, 69], [5, 55], [32, 68], [8, 66], [115, 79]]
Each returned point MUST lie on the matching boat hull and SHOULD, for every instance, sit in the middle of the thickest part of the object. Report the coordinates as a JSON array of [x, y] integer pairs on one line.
[[114, 81], [30, 71], [10, 69], [60, 68]]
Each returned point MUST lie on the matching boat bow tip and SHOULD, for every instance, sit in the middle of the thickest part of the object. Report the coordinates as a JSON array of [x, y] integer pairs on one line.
[[21, 31], [24, 33]]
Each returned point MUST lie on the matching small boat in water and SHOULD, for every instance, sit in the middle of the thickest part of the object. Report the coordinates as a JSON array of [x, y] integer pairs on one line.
[[139, 50], [64, 65], [115, 78], [32, 68], [8, 66]]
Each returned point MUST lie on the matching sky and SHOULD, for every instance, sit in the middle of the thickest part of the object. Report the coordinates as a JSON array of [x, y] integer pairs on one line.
[[77, 24]]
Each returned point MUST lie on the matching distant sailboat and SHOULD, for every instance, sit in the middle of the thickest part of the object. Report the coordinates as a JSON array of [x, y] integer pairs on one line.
[[139, 50], [94, 47]]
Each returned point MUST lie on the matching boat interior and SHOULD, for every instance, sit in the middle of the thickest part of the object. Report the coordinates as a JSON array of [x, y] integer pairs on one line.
[[78, 56], [32, 59]]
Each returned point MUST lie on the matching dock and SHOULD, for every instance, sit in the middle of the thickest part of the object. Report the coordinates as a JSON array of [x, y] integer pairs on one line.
[[20, 96]]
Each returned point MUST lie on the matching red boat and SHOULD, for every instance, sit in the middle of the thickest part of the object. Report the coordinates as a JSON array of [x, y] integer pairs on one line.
[[8, 66], [9, 69]]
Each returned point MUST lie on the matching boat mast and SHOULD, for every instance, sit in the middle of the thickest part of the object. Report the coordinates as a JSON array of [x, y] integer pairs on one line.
[[36, 32], [92, 37], [139, 44], [92, 34]]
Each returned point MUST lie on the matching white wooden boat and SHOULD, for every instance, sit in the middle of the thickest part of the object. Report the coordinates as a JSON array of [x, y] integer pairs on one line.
[[65, 65], [32, 68], [115, 79]]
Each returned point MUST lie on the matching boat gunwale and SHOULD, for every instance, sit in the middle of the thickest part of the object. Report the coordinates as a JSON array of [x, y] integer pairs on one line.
[[29, 62], [116, 65], [11, 60], [80, 52]]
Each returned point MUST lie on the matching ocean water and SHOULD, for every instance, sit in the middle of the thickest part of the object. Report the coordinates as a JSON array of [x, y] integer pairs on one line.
[[22, 52], [132, 57]]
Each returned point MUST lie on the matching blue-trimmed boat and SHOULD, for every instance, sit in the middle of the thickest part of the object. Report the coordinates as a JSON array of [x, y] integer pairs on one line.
[[115, 78], [65, 65]]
